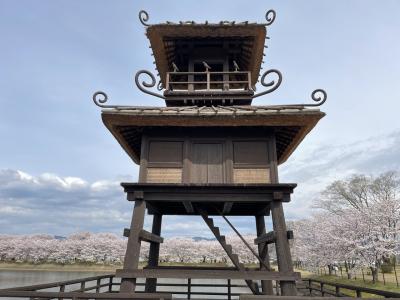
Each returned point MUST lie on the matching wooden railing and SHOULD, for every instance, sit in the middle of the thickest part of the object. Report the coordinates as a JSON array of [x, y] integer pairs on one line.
[[336, 289], [208, 81], [105, 287], [63, 284]]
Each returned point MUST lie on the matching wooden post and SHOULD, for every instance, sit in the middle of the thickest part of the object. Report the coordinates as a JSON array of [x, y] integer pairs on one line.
[[288, 288], [154, 253], [266, 285], [133, 249]]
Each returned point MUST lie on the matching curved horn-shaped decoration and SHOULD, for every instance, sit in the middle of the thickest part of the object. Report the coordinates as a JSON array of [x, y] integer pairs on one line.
[[100, 97], [320, 99], [272, 84], [144, 17], [160, 86], [270, 17], [145, 84]]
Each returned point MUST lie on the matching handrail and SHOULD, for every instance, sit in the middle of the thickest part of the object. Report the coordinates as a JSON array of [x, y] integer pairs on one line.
[[58, 283], [211, 72], [358, 289], [35, 291]]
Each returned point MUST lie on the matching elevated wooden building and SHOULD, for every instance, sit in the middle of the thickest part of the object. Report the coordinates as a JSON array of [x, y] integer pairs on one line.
[[209, 151]]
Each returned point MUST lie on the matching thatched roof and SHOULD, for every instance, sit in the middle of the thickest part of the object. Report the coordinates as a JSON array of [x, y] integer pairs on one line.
[[291, 123], [248, 38]]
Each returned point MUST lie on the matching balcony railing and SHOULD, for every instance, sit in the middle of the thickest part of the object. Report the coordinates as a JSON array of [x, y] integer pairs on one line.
[[194, 82]]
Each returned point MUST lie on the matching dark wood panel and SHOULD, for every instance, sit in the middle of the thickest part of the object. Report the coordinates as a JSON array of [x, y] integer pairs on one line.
[[207, 163], [199, 171], [250, 152], [215, 171], [165, 152]]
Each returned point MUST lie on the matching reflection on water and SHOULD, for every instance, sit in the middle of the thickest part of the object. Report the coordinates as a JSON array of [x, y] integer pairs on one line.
[[16, 278]]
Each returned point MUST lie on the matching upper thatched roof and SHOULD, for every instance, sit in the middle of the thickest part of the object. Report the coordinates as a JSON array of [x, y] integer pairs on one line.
[[249, 38]]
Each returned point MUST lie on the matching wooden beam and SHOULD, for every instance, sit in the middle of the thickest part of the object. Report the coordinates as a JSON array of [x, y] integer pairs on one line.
[[79, 295], [207, 274], [133, 248], [266, 285], [150, 237], [152, 209], [283, 256], [267, 238], [154, 254], [265, 211], [270, 237], [274, 297], [188, 207], [227, 207]]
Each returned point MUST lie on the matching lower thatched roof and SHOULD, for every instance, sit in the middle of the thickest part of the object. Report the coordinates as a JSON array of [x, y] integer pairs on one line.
[[291, 123]]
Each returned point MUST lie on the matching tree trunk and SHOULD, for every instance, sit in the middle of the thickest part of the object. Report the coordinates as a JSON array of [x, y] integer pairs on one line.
[[346, 264], [330, 270], [374, 272]]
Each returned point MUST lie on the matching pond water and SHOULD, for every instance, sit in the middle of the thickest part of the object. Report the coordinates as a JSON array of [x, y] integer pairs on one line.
[[14, 278]]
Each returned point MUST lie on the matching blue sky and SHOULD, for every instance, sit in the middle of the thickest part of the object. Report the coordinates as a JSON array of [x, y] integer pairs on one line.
[[60, 167]]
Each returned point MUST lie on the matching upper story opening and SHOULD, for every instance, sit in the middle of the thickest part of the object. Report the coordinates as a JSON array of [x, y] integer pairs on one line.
[[208, 64]]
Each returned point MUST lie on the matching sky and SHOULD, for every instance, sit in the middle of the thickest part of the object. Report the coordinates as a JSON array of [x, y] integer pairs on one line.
[[59, 166]]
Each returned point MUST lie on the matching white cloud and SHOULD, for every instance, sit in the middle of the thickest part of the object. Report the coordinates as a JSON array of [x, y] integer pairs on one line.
[[317, 166]]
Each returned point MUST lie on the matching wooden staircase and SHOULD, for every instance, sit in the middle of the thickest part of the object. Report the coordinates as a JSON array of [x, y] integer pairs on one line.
[[229, 251]]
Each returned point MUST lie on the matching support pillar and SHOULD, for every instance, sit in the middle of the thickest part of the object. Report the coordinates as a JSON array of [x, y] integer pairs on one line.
[[266, 285], [154, 253], [284, 258], [133, 248]]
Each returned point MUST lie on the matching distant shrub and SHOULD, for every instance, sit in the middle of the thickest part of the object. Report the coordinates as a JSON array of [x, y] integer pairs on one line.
[[386, 268]]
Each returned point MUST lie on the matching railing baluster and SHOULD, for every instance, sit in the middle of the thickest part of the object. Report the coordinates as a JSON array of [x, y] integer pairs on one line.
[[322, 289], [110, 284], [62, 290], [189, 288], [208, 81], [337, 291], [83, 283], [229, 289], [358, 293], [167, 81], [309, 286], [98, 282]]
